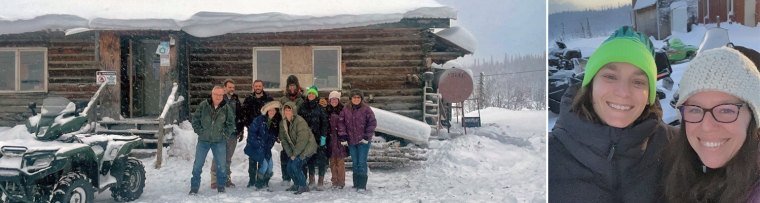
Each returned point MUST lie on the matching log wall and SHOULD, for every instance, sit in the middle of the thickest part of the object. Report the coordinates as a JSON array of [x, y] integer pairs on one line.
[[72, 65], [377, 60]]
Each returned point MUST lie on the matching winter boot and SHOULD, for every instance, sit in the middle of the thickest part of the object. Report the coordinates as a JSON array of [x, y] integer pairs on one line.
[[311, 181], [267, 177], [321, 183], [362, 182], [262, 180], [292, 188], [213, 186], [220, 189], [229, 183], [251, 180], [355, 180], [193, 191], [301, 189]]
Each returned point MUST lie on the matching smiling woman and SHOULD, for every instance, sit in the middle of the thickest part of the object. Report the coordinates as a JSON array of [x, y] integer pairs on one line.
[[714, 159], [606, 143]]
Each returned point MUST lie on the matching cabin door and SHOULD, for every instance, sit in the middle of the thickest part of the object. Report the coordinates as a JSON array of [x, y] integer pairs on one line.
[[144, 73]]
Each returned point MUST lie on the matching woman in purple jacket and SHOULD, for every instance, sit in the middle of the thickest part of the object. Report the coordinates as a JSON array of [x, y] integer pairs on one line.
[[356, 128], [337, 151]]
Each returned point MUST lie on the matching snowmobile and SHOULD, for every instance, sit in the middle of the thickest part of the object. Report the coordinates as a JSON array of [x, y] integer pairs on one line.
[[561, 58], [714, 38], [62, 162]]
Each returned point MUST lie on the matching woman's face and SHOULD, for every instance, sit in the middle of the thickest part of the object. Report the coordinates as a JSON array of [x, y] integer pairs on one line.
[[620, 94], [288, 112], [716, 142], [334, 102], [271, 113], [356, 99]]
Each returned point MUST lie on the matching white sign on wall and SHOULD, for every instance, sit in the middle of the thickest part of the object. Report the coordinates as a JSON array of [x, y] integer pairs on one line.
[[105, 76]]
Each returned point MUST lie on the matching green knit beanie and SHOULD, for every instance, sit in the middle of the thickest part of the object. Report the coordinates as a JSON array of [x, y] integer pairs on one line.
[[312, 90], [625, 46]]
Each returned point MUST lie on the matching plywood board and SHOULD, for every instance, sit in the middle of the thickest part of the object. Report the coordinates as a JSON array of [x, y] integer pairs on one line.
[[296, 60]]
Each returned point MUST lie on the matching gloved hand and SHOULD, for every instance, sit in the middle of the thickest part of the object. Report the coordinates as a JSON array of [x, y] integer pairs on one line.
[[322, 141], [364, 141], [344, 143]]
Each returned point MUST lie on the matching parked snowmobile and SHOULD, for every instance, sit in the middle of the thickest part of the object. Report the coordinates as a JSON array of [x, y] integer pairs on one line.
[[63, 163], [713, 38]]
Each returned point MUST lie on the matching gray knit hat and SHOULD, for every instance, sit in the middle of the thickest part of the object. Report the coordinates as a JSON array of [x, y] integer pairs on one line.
[[725, 70]]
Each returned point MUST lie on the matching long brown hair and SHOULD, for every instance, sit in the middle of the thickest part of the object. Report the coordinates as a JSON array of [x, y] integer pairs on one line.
[[584, 107], [685, 180]]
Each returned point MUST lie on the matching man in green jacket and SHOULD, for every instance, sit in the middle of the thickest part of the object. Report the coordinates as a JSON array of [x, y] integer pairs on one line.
[[298, 142], [214, 122]]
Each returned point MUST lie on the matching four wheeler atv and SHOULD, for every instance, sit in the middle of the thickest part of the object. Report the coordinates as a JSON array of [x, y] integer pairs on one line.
[[63, 164]]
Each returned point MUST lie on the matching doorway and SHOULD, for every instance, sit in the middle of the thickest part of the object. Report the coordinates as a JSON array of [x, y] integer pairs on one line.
[[141, 97]]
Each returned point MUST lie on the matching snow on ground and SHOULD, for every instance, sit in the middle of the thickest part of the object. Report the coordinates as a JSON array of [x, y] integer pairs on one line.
[[738, 34], [503, 161]]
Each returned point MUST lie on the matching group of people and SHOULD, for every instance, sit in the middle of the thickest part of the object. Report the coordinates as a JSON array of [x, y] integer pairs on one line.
[[314, 132], [610, 144]]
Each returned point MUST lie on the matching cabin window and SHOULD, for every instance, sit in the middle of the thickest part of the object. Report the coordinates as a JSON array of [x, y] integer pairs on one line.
[[267, 67], [327, 68], [23, 69]]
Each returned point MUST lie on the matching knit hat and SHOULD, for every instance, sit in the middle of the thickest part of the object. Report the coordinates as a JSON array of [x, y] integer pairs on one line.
[[270, 105], [726, 70], [356, 92], [626, 46], [312, 90], [334, 94]]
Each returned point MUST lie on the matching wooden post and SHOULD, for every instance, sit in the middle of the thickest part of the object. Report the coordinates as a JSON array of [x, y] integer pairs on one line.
[[160, 143]]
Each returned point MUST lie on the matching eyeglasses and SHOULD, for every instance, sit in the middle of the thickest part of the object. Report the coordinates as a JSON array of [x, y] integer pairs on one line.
[[723, 113]]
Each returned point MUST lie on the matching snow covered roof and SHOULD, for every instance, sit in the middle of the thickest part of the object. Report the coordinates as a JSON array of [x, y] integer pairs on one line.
[[643, 4], [460, 37], [678, 4], [204, 19]]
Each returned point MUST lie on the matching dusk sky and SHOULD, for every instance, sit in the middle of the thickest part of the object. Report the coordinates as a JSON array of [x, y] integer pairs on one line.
[[503, 26], [574, 5]]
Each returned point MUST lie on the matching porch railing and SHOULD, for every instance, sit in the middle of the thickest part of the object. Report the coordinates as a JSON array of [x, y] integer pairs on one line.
[[171, 102]]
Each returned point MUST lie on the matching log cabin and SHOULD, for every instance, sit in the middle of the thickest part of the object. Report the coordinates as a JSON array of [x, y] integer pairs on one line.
[[382, 54]]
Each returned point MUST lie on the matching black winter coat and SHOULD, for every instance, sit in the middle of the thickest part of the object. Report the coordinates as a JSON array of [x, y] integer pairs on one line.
[[252, 107], [316, 117], [234, 102], [592, 162]]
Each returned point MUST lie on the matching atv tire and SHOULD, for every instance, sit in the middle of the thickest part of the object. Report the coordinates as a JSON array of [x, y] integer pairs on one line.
[[132, 183], [74, 187]]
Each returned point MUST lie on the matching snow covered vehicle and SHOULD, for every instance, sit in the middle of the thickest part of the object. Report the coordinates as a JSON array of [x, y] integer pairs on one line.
[[62, 163], [562, 58], [713, 38], [678, 51]]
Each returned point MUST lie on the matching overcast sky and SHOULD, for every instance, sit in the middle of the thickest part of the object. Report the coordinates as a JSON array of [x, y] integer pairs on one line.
[[503, 26], [575, 5]]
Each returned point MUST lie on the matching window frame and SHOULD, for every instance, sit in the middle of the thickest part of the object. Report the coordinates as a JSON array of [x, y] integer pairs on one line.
[[255, 63], [339, 60], [17, 66]]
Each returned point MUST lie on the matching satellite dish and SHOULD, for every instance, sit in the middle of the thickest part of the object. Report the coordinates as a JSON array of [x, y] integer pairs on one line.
[[455, 85]]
